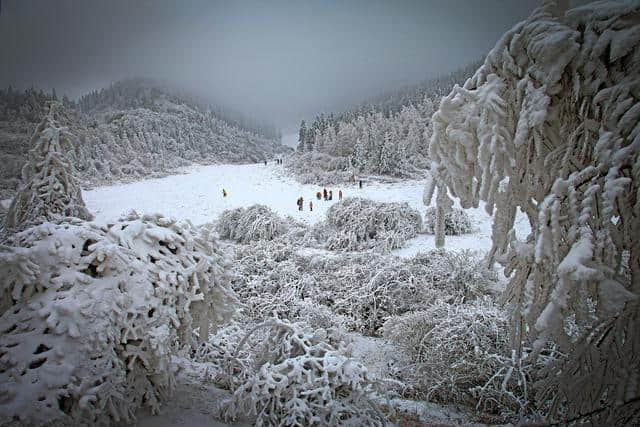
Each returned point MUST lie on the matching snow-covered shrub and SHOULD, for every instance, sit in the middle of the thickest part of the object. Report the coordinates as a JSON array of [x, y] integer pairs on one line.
[[257, 222], [461, 274], [49, 190], [359, 224], [456, 222], [392, 289], [302, 380], [549, 124], [398, 286], [92, 313], [455, 350], [231, 365]]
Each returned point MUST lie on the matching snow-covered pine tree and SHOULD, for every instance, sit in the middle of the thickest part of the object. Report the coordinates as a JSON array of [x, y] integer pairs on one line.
[[550, 124], [49, 189]]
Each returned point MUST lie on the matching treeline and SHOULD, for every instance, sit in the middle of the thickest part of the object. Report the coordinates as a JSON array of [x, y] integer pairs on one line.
[[375, 143], [27, 105], [387, 135], [127, 131], [145, 93]]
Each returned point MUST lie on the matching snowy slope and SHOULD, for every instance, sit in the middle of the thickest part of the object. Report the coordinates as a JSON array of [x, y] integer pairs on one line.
[[197, 196]]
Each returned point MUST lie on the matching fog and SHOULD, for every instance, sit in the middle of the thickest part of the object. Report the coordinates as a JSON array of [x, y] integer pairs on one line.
[[278, 60]]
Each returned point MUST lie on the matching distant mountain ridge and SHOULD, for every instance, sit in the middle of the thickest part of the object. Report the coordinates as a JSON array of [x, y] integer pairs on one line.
[[131, 130]]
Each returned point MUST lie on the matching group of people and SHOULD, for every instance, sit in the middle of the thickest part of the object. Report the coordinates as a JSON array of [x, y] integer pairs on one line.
[[327, 194], [278, 162]]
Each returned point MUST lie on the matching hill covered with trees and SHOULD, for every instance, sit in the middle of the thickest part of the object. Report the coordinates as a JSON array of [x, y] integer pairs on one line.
[[387, 135], [132, 129]]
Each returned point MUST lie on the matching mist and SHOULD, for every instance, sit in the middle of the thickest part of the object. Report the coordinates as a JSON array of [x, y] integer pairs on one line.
[[279, 60]]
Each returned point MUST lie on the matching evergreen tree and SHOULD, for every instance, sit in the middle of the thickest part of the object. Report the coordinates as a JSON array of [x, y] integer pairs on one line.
[[302, 136], [49, 189]]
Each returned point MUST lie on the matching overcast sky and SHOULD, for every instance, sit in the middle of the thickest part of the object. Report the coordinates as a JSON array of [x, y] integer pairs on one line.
[[282, 60]]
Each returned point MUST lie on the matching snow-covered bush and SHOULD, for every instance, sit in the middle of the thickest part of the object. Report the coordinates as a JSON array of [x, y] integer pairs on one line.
[[549, 124], [257, 222], [92, 313], [455, 350], [302, 380], [49, 190], [230, 365], [461, 274], [359, 224], [400, 286], [456, 222]]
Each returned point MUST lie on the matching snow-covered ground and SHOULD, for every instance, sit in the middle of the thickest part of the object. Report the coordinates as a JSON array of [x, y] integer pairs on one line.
[[197, 196]]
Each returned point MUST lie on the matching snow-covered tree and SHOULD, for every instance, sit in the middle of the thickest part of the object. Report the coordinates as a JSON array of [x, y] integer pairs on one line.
[[302, 380], [92, 313], [550, 124], [49, 189]]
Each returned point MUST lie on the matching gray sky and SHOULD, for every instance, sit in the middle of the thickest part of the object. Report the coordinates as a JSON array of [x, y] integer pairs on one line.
[[281, 60]]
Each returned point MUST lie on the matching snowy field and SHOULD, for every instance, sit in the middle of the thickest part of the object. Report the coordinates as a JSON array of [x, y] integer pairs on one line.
[[197, 196]]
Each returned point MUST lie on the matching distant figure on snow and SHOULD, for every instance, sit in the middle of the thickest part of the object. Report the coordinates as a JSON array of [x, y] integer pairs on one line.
[[310, 205], [325, 193], [265, 163], [319, 195], [224, 193], [340, 195], [360, 184], [300, 203], [330, 195]]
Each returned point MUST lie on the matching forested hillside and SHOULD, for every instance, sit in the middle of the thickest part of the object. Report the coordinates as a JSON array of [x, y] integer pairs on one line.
[[387, 135], [130, 130]]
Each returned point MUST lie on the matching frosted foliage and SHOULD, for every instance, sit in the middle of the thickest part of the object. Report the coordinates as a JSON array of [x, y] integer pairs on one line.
[[400, 287], [133, 129], [303, 381], [551, 124], [316, 167], [359, 224], [243, 225], [92, 314], [49, 190], [456, 222], [454, 352]]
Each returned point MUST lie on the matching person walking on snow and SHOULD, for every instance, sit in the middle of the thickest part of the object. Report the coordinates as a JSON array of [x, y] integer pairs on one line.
[[325, 193], [340, 195], [224, 193], [360, 183], [310, 205], [319, 195], [330, 195]]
